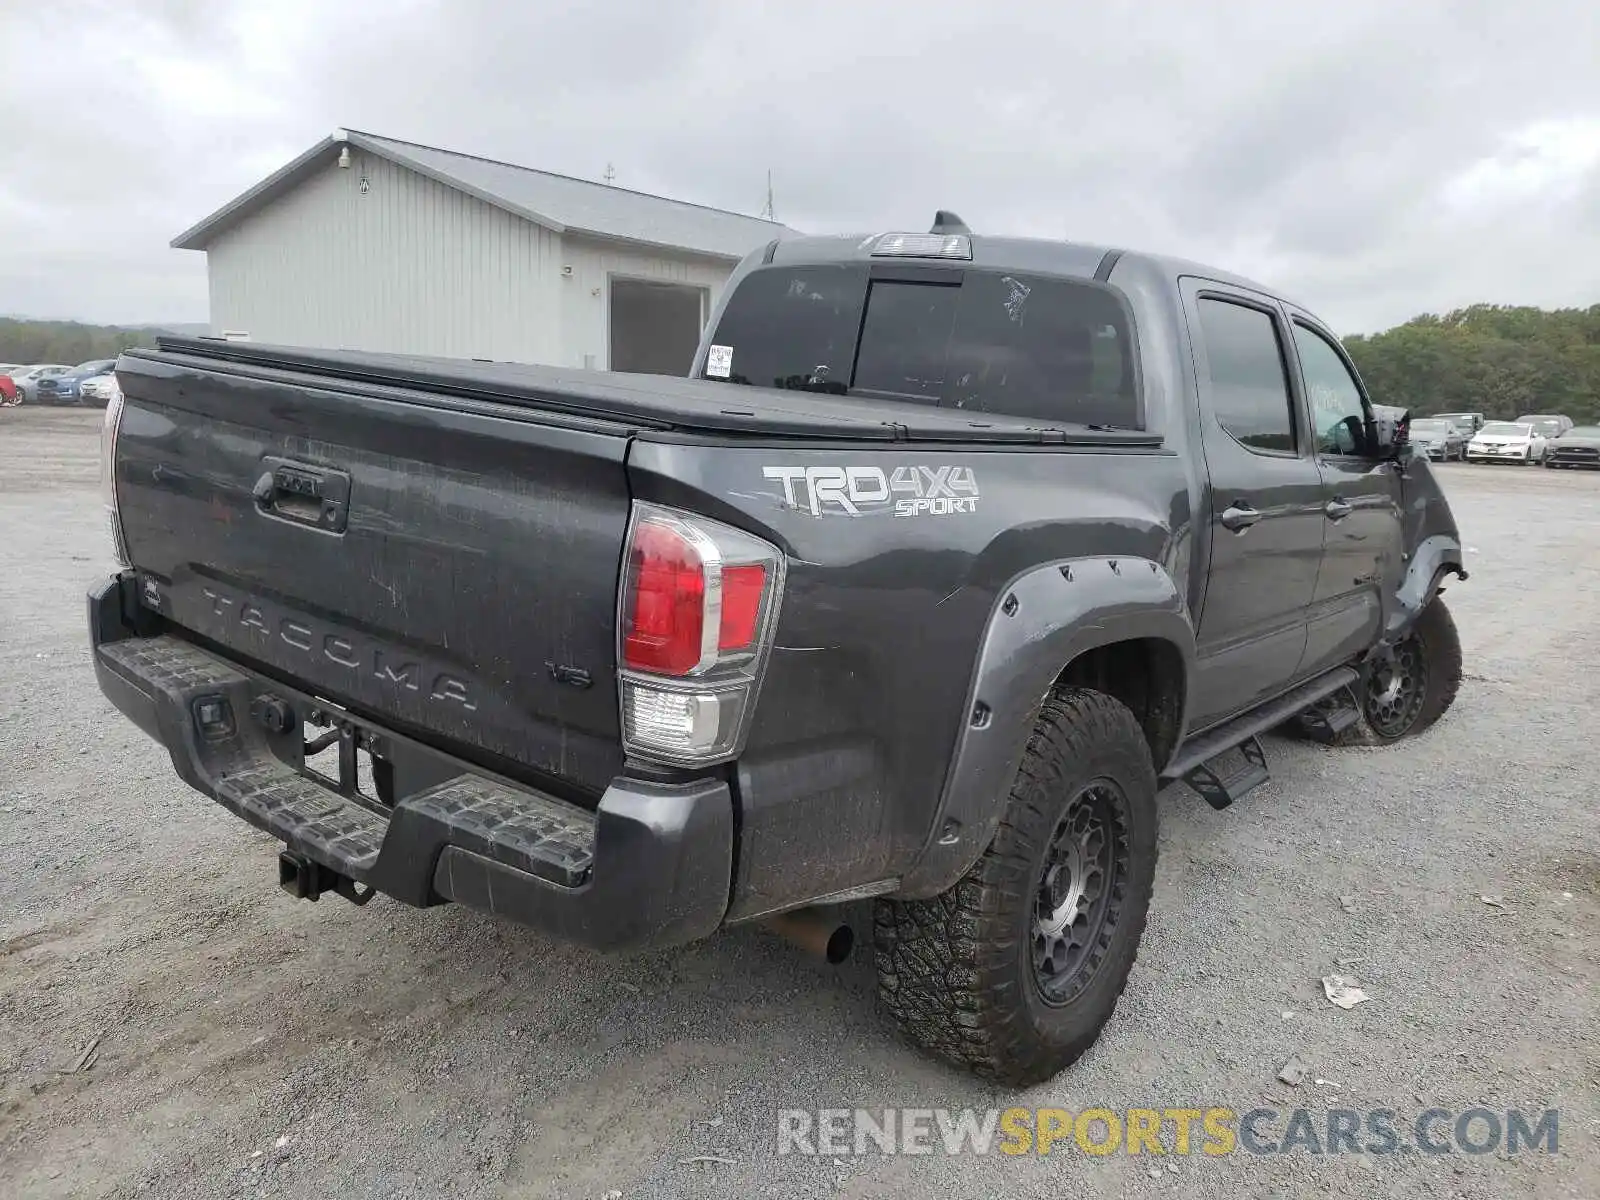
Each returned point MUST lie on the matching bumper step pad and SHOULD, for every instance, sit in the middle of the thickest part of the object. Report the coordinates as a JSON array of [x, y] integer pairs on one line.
[[237, 768], [534, 833], [314, 819], [650, 866], [171, 665]]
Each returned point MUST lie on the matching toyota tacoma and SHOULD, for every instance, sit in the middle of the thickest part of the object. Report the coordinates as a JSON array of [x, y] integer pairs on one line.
[[951, 552]]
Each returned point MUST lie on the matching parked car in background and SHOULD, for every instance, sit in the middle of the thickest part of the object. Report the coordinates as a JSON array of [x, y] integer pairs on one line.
[[1468, 422], [1577, 447], [27, 379], [98, 390], [1507, 441], [8, 387], [1550, 427], [65, 388], [1438, 439]]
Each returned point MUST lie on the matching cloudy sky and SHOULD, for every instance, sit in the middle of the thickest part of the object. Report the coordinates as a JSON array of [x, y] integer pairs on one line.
[[1375, 159]]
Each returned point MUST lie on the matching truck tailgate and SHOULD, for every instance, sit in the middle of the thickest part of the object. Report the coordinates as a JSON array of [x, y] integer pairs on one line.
[[451, 571]]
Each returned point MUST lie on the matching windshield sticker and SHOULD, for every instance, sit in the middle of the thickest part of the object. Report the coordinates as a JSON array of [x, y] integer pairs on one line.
[[857, 491], [719, 362]]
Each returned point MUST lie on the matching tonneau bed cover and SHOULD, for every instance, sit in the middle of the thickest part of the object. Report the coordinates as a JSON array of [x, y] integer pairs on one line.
[[657, 402]]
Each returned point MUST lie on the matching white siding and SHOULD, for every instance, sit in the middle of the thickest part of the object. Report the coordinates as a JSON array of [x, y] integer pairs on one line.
[[414, 266], [410, 265], [586, 294]]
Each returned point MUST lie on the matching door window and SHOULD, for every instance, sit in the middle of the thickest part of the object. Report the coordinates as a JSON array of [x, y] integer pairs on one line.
[[1250, 394], [1338, 412]]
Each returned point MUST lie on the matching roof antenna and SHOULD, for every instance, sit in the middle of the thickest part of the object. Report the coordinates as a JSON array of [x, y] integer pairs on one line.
[[767, 213], [945, 221], [611, 173]]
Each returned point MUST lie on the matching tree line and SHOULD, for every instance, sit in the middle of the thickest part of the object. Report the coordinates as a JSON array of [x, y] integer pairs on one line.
[[1499, 360], [66, 342]]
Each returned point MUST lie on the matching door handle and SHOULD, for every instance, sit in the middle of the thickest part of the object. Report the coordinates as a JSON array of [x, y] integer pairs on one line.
[[1239, 516], [304, 494], [1337, 509]]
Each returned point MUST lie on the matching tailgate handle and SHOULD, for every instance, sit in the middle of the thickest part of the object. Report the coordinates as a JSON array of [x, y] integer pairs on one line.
[[305, 494]]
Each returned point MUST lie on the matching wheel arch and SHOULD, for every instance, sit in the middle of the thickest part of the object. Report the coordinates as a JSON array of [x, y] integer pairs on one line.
[[1119, 625], [1434, 560], [1149, 675]]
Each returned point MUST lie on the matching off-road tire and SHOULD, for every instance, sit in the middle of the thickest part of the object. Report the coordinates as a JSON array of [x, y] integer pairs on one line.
[[956, 973], [1439, 646]]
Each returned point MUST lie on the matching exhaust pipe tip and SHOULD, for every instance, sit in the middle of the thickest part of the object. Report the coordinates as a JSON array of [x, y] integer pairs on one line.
[[817, 931], [840, 942]]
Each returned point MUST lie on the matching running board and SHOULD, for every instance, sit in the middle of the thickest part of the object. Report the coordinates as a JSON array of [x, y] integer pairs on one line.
[[1328, 718], [1219, 790], [1196, 755]]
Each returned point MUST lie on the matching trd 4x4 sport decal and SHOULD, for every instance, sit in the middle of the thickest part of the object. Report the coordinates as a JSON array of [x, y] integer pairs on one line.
[[906, 491]]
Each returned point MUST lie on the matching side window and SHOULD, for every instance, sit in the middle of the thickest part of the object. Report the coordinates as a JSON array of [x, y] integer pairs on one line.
[[1249, 385], [1336, 408]]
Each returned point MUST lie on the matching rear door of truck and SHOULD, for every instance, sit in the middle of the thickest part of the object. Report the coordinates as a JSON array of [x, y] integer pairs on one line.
[[447, 569]]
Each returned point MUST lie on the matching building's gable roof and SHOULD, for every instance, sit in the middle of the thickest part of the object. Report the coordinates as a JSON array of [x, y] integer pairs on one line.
[[557, 202]]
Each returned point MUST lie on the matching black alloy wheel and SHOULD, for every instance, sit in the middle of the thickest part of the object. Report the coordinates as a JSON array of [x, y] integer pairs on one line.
[[1079, 893], [1396, 688]]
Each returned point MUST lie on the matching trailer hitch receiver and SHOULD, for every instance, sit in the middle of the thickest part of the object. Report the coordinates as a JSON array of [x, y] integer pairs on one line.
[[306, 879]]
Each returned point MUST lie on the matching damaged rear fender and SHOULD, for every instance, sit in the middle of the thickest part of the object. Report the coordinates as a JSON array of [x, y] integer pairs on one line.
[[1042, 622]]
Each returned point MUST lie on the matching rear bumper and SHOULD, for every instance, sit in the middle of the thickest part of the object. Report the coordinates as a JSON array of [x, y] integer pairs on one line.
[[650, 866]]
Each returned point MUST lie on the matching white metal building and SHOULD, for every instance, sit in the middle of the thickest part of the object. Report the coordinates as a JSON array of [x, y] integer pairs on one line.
[[367, 243]]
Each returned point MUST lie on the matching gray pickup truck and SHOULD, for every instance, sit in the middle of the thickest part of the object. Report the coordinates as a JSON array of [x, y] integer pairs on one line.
[[953, 550]]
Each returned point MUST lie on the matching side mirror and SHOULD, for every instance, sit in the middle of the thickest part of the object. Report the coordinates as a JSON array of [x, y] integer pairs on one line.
[[1389, 433]]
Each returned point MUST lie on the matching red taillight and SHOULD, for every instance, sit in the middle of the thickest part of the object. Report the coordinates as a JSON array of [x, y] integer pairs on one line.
[[742, 589], [696, 614], [665, 630], [693, 599]]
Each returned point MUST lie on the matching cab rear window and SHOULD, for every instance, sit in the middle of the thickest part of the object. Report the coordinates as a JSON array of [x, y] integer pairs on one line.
[[1049, 349]]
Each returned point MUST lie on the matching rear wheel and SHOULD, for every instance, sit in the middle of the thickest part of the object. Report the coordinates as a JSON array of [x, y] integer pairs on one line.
[[1013, 972]]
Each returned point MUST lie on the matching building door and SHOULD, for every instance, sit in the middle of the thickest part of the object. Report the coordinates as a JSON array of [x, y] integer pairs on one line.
[[655, 327]]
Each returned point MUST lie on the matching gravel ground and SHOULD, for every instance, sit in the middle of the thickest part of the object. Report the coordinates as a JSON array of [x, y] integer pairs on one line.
[[251, 1045]]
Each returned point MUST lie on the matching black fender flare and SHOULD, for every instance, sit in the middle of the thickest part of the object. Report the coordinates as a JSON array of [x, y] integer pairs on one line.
[[1434, 558], [1042, 620]]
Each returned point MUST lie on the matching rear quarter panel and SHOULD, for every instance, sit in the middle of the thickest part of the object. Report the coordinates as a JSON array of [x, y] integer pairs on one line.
[[882, 623]]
